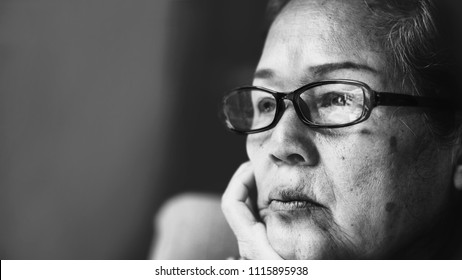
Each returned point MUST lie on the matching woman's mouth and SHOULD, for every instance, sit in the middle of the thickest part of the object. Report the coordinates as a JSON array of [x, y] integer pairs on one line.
[[293, 200], [293, 205]]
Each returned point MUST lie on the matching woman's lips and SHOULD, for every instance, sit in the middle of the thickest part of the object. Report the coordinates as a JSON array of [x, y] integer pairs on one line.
[[293, 205], [292, 199]]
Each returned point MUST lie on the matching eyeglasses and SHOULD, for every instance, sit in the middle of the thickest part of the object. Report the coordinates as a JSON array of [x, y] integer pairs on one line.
[[324, 104]]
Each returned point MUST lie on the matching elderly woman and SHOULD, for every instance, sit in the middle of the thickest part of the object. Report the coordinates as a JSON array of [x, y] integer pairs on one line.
[[352, 135]]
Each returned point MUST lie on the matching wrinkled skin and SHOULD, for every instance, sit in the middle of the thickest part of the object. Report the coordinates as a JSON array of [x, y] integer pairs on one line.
[[378, 186]]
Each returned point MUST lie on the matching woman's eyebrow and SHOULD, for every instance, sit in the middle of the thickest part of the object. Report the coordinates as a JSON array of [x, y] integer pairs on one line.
[[319, 70], [264, 74], [323, 69]]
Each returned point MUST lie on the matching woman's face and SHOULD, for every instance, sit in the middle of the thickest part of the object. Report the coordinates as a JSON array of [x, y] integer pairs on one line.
[[378, 183]]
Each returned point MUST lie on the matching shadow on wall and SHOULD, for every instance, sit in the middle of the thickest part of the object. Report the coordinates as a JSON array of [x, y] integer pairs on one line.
[[109, 107]]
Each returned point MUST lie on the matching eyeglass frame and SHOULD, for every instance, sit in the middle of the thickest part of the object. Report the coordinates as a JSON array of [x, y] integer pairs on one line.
[[376, 98]]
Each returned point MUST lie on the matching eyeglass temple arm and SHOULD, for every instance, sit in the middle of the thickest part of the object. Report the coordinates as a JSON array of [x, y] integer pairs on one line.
[[395, 99]]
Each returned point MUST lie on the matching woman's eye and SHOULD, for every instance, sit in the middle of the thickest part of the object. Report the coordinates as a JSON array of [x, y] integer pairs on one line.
[[266, 105], [336, 99]]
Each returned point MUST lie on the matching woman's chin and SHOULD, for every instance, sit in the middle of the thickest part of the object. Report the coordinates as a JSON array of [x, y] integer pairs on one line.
[[301, 239]]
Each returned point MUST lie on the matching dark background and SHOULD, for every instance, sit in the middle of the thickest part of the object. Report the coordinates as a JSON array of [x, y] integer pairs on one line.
[[107, 109]]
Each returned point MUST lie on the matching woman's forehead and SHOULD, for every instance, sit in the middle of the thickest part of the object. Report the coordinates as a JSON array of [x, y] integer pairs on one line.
[[334, 19], [339, 7], [312, 33]]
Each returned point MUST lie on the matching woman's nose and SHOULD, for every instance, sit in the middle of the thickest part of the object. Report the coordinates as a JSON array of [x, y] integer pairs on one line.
[[292, 142]]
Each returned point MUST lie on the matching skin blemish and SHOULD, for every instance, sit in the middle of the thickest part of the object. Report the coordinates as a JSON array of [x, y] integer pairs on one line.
[[393, 143], [343, 158], [365, 132], [390, 206]]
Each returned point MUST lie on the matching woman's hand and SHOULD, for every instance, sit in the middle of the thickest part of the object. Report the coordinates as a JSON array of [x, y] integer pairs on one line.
[[250, 232]]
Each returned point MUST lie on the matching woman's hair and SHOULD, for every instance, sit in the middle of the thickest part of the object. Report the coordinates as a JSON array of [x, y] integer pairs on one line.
[[416, 35]]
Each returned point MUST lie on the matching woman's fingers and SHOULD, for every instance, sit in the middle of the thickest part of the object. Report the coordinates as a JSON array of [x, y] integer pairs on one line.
[[249, 231]]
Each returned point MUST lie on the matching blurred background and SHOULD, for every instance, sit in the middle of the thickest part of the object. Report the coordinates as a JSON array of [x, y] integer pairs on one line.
[[107, 109]]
